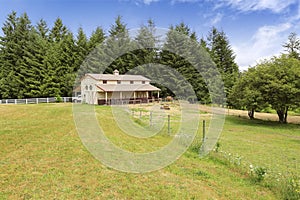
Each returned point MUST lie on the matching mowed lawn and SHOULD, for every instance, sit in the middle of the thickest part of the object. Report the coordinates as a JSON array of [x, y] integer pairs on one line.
[[42, 157]]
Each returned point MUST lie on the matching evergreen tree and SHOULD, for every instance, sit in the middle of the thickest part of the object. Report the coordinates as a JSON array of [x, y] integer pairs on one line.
[[96, 38], [203, 43], [224, 58], [34, 64], [117, 28], [146, 43], [50, 86], [66, 71], [61, 61], [180, 48], [16, 38], [42, 29], [7, 59], [117, 48], [59, 31], [82, 49], [91, 63]]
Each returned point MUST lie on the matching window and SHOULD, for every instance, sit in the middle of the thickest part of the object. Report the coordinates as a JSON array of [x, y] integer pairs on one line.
[[119, 82], [131, 82], [91, 87], [143, 82], [104, 81], [86, 87]]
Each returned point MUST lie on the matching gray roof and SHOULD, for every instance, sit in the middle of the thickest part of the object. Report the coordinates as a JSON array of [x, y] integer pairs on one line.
[[127, 87], [111, 77]]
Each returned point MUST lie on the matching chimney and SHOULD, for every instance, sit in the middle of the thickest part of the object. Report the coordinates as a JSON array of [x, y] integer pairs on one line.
[[116, 72]]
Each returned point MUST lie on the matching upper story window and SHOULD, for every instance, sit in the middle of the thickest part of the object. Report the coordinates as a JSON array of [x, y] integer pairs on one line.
[[86, 87], [119, 82], [131, 82], [104, 81], [143, 82], [91, 87]]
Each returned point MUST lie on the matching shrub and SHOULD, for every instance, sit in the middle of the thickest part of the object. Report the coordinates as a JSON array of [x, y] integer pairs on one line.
[[58, 99], [266, 110], [217, 147], [258, 173]]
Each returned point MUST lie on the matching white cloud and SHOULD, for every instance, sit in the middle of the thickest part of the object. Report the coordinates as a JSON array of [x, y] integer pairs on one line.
[[268, 40], [276, 6], [265, 43], [216, 19], [185, 1], [148, 2]]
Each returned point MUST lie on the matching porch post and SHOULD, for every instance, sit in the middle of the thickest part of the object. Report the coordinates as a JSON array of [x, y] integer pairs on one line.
[[95, 98], [147, 96], [105, 97], [121, 97], [158, 95]]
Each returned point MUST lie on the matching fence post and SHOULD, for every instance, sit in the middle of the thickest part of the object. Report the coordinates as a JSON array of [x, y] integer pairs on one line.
[[47, 100], [169, 128], [37, 100], [0, 101], [6, 101], [150, 118], [203, 139], [203, 136], [15, 101], [26, 101], [65, 100]]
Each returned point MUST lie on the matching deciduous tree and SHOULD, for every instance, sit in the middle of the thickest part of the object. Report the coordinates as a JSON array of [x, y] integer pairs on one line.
[[292, 46], [274, 82]]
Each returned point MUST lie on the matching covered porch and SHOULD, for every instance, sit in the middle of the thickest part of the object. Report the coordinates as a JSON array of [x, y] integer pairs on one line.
[[127, 94]]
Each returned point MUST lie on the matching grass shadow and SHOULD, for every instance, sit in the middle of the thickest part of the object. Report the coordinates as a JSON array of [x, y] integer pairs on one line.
[[238, 120]]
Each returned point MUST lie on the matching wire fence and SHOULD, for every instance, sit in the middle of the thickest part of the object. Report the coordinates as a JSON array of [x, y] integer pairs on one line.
[[155, 118], [37, 100]]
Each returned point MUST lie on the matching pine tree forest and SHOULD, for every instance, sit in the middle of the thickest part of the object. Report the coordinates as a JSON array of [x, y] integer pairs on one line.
[[41, 60]]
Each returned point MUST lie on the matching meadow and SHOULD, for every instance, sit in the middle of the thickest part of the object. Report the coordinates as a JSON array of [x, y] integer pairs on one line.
[[42, 157]]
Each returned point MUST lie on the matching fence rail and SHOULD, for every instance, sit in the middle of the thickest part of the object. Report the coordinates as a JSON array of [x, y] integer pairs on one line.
[[36, 100]]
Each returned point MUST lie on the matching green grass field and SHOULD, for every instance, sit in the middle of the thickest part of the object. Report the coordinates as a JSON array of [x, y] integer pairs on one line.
[[42, 157]]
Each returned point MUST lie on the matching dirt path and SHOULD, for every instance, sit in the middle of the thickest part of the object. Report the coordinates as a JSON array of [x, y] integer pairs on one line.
[[263, 116]]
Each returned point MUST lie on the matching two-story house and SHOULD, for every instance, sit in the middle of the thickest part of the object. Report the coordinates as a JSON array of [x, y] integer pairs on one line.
[[116, 89]]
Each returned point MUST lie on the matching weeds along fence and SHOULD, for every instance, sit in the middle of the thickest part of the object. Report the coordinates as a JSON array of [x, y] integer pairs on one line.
[[36, 100], [153, 119], [172, 125]]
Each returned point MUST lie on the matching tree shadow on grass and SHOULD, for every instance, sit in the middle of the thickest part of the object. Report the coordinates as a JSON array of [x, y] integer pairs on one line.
[[241, 120]]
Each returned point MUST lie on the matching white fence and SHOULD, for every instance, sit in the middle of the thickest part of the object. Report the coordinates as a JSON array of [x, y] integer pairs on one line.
[[36, 100]]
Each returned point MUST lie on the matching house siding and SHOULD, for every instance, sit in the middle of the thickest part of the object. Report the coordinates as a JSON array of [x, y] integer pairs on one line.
[[93, 89], [89, 95]]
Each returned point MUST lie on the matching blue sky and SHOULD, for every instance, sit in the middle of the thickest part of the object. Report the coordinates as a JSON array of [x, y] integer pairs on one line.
[[256, 28]]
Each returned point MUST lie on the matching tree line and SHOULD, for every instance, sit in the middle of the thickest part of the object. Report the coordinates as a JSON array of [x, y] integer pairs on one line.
[[41, 61], [36, 61]]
